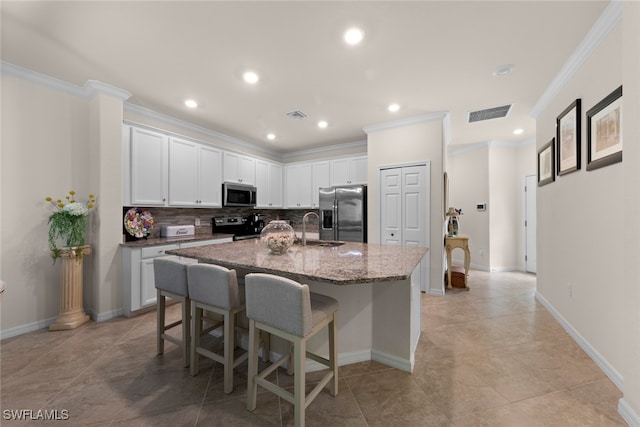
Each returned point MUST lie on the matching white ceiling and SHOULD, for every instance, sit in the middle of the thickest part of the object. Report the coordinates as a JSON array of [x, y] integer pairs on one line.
[[428, 56]]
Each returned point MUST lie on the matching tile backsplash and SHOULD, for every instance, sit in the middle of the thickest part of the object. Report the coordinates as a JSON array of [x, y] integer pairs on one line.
[[188, 216]]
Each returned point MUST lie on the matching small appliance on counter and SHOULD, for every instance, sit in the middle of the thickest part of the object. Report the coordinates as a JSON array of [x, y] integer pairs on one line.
[[177, 230], [241, 227]]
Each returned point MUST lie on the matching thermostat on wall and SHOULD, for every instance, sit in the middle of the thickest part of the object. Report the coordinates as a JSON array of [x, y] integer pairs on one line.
[[481, 206]]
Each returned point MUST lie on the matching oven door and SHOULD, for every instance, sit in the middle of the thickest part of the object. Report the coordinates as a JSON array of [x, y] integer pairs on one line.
[[238, 195]]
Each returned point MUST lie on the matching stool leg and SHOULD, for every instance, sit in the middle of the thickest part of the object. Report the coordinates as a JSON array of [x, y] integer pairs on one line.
[[160, 320], [186, 330], [266, 345], [229, 335], [252, 387], [299, 392], [196, 329], [333, 355]]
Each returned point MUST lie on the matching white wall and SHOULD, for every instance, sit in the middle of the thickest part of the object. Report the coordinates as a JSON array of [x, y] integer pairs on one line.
[[580, 233], [45, 152], [410, 144], [468, 172], [630, 404]]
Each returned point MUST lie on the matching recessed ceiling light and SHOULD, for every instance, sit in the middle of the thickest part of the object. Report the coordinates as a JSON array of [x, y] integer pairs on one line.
[[393, 107], [322, 124], [518, 131], [250, 77], [191, 103], [353, 36], [271, 136], [503, 70]]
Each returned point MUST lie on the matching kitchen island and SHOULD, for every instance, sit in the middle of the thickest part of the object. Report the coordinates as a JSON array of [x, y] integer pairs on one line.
[[377, 287]]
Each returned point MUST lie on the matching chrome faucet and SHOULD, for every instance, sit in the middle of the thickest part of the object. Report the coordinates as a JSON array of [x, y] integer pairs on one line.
[[304, 226]]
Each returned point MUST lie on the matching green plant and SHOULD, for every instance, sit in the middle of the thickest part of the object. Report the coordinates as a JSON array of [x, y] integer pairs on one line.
[[69, 223]]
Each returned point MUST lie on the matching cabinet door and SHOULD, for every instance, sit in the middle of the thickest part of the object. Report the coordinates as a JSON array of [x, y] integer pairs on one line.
[[358, 170], [321, 179], [239, 168], [298, 183], [149, 164], [263, 188], [148, 293], [275, 184], [210, 177], [340, 172], [183, 172], [247, 170]]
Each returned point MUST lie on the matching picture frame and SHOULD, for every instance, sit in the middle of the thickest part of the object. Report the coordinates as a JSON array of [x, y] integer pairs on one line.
[[604, 131], [568, 137], [546, 163]]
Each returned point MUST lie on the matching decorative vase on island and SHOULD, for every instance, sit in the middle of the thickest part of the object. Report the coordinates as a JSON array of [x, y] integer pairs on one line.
[[277, 236], [71, 313]]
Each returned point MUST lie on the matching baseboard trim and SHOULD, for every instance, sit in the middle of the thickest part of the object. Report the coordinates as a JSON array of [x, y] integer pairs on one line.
[[107, 315], [393, 361], [627, 412], [606, 367], [26, 328]]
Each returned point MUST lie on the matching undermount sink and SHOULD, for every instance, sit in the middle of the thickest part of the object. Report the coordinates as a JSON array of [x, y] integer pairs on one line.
[[323, 243]]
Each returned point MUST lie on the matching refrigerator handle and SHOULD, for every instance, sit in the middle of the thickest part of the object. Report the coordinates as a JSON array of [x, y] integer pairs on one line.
[[335, 220]]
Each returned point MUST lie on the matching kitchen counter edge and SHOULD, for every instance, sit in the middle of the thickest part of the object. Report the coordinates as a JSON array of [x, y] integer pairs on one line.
[[158, 241]]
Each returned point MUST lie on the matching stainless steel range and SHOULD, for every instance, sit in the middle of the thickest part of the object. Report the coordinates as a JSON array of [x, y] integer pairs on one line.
[[241, 227]]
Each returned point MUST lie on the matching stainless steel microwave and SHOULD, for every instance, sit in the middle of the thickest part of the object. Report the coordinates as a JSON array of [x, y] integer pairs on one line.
[[238, 194]]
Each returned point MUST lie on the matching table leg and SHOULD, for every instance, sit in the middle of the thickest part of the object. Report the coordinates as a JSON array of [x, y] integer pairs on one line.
[[467, 263]]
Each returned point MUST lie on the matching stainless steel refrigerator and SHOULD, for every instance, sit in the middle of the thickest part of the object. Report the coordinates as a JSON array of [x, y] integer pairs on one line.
[[343, 213]]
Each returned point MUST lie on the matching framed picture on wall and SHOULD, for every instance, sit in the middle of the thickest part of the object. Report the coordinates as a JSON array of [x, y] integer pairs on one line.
[[546, 163], [604, 131], [568, 139]]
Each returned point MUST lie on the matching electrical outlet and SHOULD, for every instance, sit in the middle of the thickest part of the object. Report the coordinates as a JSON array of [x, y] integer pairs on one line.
[[197, 222], [569, 289]]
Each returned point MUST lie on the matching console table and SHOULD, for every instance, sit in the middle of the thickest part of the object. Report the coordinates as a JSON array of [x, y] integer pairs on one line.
[[450, 243]]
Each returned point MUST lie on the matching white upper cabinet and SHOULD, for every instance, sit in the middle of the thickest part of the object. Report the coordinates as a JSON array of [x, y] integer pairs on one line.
[[239, 168], [195, 177], [321, 179], [268, 184], [149, 167], [298, 179], [352, 170]]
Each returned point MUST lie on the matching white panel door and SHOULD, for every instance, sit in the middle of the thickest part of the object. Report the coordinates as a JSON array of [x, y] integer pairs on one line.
[[414, 212], [404, 211], [530, 222], [391, 206]]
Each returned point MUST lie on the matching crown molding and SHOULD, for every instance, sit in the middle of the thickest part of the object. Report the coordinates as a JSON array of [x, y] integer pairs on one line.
[[163, 118], [328, 148], [598, 31], [90, 89], [486, 144], [430, 117]]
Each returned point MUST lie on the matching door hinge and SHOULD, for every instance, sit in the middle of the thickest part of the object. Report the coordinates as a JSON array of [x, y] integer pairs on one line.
[[525, 258], [525, 223]]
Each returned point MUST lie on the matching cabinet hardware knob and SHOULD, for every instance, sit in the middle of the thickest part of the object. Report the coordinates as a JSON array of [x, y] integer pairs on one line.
[[391, 234]]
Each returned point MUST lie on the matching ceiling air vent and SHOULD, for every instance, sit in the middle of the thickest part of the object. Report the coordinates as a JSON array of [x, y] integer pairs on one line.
[[489, 113], [296, 114]]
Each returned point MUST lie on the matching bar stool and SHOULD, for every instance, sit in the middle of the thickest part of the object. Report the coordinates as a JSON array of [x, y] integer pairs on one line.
[[170, 278], [287, 309], [215, 289]]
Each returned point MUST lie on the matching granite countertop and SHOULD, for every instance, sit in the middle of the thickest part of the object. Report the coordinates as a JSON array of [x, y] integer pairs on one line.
[[170, 240], [350, 263]]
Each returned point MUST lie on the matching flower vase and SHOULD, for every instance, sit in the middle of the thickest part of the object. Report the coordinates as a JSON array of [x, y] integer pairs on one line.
[[453, 226], [71, 313]]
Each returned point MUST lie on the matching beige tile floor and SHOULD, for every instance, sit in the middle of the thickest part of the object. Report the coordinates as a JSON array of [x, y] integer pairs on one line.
[[491, 356]]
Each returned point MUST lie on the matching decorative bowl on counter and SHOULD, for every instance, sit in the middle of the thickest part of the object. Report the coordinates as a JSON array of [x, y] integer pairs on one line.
[[277, 236]]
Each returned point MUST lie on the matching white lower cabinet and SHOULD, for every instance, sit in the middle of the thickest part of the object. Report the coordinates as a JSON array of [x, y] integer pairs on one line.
[[138, 280]]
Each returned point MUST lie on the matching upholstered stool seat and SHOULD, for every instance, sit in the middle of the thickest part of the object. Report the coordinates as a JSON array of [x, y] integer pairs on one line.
[[287, 309], [170, 278], [215, 289]]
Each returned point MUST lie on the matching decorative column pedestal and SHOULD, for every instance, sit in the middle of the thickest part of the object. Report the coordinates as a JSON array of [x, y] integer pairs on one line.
[[71, 314]]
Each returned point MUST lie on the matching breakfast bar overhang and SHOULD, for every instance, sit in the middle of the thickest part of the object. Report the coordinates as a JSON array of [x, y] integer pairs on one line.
[[377, 287]]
